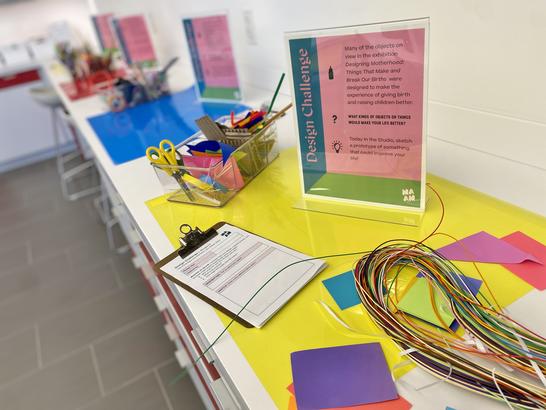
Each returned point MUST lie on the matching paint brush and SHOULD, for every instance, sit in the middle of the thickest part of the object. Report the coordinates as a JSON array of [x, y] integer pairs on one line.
[[276, 93]]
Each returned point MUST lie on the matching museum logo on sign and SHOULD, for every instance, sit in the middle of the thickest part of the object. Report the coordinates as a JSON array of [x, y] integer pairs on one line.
[[408, 195]]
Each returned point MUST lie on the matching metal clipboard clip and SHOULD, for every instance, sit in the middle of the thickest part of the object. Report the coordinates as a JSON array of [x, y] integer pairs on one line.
[[191, 239]]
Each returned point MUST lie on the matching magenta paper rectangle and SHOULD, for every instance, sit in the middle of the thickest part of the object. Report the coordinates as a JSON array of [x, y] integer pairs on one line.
[[484, 247], [531, 272]]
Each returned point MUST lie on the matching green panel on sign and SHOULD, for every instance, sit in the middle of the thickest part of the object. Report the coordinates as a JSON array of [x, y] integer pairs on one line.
[[371, 189], [218, 93]]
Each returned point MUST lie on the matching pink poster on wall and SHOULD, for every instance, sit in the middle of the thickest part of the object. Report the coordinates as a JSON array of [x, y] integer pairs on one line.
[[135, 39], [215, 52], [360, 99], [212, 56]]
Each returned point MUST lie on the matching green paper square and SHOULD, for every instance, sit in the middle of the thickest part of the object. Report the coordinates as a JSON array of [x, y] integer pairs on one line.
[[417, 302]]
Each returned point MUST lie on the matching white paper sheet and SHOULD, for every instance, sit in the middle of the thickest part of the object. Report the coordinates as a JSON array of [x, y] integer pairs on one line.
[[231, 267]]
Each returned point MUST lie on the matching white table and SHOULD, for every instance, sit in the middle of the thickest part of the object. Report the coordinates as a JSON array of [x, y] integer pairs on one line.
[[192, 324], [129, 185]]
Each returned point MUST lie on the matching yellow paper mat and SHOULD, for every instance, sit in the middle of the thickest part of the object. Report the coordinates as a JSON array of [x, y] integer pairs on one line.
[[265, 207]]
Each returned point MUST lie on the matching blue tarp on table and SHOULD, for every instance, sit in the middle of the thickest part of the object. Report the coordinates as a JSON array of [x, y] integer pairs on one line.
[[126, 135]]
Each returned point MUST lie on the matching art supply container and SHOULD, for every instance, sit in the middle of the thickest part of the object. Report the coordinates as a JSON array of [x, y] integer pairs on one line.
[[213, 181]]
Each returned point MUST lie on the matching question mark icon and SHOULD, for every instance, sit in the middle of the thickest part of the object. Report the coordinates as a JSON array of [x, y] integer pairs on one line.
[[334, 117]]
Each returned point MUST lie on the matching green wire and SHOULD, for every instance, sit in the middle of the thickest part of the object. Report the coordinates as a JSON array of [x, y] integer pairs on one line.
[[188, 368], [470, 315]]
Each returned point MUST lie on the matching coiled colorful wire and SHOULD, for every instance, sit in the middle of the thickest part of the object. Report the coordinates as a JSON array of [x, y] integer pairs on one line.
[[494, 352]]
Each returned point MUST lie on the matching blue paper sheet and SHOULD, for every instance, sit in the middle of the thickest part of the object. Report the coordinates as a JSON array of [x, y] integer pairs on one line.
[[474, 287], [205, 146], [342, 288], [126, 135]]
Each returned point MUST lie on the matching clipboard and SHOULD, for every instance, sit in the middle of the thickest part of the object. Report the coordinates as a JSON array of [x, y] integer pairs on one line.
[[224, 270], [196, 239]]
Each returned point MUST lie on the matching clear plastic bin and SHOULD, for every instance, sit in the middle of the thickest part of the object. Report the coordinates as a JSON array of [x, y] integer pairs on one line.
[[206, 181]]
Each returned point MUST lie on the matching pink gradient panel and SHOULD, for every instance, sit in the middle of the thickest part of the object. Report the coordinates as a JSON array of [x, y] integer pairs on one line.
[[137, 39], [215, 51], [373, 108]]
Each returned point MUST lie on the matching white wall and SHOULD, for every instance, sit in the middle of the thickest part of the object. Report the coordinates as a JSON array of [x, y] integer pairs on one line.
[[22, 20], [487, 109]]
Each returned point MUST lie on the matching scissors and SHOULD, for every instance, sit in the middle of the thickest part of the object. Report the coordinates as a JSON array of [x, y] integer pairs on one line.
[[165, 157]]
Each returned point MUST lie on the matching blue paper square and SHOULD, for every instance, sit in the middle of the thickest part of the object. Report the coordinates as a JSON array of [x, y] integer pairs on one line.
[[343, 290]]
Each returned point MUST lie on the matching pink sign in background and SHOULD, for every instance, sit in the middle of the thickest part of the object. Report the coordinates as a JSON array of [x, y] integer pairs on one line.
[[137, 39], [215, 51], [339, 135], [104, 27]]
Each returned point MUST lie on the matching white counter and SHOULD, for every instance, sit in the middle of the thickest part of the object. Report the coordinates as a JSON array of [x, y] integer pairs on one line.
[[192, 324], [135, 182]]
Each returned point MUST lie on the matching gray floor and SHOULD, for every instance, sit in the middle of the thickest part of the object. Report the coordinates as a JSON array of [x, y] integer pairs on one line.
[[78, 328]]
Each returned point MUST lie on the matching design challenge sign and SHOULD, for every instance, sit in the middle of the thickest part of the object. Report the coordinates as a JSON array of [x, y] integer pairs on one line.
[[360, 98]]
